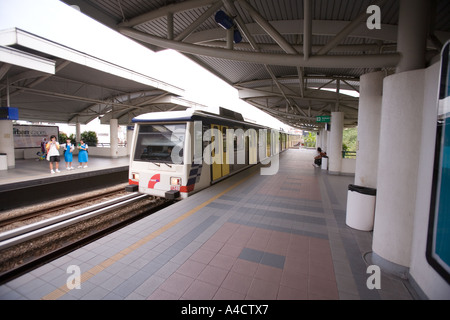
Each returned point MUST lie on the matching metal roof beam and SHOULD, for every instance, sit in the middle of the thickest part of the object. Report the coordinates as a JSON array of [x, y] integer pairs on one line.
[[295, 60], [347, 30], [163, 11], [307, 28], [214, 7], [267, 27], [4, 68], [387, 32]]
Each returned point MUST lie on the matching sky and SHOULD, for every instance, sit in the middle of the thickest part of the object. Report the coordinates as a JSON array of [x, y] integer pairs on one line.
[[63, 24]]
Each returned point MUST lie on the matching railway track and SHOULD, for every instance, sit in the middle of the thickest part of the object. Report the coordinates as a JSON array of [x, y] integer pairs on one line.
[[27, 247], [55, 208]]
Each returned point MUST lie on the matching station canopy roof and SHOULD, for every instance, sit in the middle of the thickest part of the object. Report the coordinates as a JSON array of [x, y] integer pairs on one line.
[[50, 81], [289, 50]]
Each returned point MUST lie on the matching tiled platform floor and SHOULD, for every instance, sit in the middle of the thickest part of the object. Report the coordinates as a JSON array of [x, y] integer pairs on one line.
[[250, 237]]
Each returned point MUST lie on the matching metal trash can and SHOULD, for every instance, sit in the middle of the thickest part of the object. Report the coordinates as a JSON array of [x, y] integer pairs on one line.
[[360, 207], [324, 165], [3, 161]]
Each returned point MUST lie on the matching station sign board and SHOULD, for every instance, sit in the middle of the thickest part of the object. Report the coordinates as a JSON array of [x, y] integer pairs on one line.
[[323, 118]]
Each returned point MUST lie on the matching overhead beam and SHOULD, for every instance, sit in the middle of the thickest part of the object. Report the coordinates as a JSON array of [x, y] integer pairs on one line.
[[347, 30], [163, 11], [300, 48], [240, 24], [295, 60], [198, 22], [328, 96], [4, 68], [268, 28], [387, 33], [26, 60], [307, 28]]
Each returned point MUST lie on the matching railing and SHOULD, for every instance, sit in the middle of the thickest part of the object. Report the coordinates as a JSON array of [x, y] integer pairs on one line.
[[348, 154], [107, 144]]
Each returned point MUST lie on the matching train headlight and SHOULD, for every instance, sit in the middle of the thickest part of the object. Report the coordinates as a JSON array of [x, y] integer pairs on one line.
[[135, 176], [174, 181]]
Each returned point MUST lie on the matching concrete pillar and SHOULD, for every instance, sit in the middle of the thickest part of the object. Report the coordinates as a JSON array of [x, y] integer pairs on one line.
[[399, 153], [324, 138], [412, 34], [78, 132], [400, 136], [369, 117], [114, 137], [7, 142], [335, 147]]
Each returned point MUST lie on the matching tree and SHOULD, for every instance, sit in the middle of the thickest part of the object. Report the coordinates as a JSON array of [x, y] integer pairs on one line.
[[90, 137], [349, 139], [62, 138], [310, 140]]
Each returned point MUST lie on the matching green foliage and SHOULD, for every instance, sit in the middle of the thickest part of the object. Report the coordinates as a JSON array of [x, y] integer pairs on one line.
[[62, 137], [349, 139], [310, 140], [90, 137]]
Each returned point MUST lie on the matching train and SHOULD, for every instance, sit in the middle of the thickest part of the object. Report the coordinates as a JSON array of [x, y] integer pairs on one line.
[[175, 154]]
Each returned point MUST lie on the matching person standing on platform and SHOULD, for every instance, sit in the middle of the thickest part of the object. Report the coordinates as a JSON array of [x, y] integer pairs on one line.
[[83, 154], [68, 149], [318, 157], [53, 156]]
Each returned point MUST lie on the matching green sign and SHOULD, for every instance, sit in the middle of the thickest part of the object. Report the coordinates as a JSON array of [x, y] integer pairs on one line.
[[323, 118]]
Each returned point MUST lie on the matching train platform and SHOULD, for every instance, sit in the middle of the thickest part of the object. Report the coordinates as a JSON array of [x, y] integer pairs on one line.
[[31, 181], [249, 237], [30, 172]]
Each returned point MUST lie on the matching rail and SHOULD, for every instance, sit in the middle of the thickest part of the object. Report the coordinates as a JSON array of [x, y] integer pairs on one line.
[[31, 231], [108, 145], [348, 154]]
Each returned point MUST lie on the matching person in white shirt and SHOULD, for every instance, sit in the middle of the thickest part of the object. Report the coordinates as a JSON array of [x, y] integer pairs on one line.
[[318, 157], [52, 148]]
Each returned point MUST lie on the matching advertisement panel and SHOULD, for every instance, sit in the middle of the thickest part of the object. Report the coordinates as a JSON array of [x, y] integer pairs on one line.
[[31, 136]]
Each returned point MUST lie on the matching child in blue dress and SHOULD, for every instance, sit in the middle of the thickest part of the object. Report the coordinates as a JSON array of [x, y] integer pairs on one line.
[[68, 149], [82, 154]]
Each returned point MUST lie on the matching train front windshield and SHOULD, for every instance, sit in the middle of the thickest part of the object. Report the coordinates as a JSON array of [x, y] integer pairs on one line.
[[160, 143]]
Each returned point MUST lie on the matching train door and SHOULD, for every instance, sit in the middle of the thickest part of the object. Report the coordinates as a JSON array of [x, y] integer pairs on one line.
[[220, 166], [216, 166], [225, 161]]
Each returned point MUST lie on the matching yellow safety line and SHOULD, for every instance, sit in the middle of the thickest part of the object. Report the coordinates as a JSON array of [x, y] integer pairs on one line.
[[56, 294]]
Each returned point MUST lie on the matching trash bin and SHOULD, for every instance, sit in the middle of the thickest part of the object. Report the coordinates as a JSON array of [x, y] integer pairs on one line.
[[360, 207], [324, 163], [3, 161]]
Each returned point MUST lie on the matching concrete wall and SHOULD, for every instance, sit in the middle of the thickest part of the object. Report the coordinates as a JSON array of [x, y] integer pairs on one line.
[[348, 166]]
